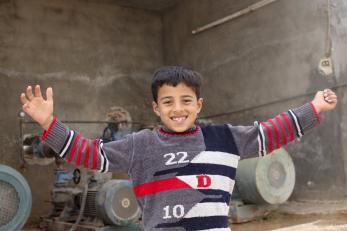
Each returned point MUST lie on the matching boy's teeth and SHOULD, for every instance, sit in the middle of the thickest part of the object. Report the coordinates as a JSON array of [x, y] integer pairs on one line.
[[179, 119]]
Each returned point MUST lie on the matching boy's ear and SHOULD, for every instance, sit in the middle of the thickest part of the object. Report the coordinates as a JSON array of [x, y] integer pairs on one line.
[[155, 108], [200, 103]]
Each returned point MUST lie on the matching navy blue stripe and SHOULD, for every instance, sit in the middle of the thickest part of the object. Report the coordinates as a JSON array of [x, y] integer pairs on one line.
[[261, 141], [218, 199], [198, 223], [301, 130], [215, 193], [197, 169], [219, 138], [103, 155]]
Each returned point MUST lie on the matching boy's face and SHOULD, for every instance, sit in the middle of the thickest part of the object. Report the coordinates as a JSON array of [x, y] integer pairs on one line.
[[177, 107]]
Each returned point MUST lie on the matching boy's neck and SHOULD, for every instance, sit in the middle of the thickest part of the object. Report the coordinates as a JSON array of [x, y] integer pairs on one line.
[[168, 131]]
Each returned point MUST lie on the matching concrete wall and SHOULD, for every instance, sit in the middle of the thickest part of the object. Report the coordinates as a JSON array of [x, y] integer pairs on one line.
[[93, 53], [269, 55], [339, 32]]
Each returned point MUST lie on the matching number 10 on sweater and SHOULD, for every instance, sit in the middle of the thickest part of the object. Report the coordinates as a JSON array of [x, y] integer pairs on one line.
[[176, 211]]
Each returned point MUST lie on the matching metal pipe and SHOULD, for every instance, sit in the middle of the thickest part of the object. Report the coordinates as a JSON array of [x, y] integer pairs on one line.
[[21, 155], [240, 13]]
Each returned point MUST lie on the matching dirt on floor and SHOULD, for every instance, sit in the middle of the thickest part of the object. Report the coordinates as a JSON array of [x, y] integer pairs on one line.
[[301, 216], [290, 222]]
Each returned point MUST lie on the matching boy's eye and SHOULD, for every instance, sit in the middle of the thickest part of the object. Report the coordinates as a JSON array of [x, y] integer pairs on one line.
[[187, 101]]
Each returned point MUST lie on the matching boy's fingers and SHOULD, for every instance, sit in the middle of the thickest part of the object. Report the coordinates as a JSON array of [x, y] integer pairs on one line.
[[49, 94], [333, 95], [38, 91], [328, 93], [331, 98], [23, 98], [29, 92]]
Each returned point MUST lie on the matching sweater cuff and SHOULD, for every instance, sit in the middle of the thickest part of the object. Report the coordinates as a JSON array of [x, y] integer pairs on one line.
[[56, 135], [315, 112], [307, 115], [46, 132]]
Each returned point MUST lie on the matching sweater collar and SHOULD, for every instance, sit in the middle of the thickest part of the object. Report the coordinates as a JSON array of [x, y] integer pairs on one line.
[[191, 131]]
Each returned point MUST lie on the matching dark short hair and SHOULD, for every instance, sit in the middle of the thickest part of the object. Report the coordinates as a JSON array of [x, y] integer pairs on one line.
[[174, 75]]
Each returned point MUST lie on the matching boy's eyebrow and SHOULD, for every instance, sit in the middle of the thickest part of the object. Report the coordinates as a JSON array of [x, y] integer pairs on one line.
[[170, 97], [189, 96]]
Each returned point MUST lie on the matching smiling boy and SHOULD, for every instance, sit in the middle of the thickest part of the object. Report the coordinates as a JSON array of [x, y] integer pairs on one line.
[[183, 175]]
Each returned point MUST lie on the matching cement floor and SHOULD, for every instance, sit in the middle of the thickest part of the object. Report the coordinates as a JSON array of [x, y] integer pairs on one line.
[[289, 222], [298, 216], [302, 216]]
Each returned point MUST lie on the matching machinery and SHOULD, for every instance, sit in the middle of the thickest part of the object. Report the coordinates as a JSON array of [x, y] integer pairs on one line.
[[86, 200], [15, 199], [102, 204], [261, 185]]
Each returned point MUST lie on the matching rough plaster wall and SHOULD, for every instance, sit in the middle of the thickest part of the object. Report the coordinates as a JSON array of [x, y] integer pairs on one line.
[[270, 54], [93, 53], [339, 46]]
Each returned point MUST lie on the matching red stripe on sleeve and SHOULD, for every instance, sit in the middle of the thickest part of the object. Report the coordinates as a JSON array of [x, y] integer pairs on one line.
[[78, 159], [94, 155], [284, 137], [73, 149], [86, 157], [269, 137], [46, 132], [277, 136], [159, 186], [315, 112], [289, 126]]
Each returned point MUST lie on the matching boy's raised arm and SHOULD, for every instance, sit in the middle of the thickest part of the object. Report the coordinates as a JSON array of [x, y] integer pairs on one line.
[[264, 137], [70, 145]]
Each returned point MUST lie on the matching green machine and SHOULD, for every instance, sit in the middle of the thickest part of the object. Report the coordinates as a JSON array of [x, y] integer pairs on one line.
[[262, 184]]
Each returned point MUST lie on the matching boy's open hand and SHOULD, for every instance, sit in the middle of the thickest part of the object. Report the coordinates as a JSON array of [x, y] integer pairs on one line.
[[37, 107], [325, 100]]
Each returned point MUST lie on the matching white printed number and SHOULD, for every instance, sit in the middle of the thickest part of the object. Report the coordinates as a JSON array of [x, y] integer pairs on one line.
[[177, 211], [176, 158]]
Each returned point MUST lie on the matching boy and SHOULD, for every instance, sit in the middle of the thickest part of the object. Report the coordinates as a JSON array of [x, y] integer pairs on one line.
[[183, 175]]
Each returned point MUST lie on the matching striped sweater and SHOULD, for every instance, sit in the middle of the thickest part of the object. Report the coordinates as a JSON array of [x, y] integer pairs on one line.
[[182, 181]]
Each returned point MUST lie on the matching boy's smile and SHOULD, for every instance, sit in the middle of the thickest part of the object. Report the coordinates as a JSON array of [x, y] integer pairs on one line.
[[177, 107]]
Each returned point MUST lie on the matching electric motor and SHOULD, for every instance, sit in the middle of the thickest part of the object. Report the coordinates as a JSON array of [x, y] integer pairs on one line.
[[116, 203], [15, 199]]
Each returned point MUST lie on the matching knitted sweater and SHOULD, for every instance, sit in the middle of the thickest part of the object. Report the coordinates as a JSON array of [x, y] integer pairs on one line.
[[182, 181]]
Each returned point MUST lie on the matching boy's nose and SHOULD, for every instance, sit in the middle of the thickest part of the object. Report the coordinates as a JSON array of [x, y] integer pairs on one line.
[[177, 107]]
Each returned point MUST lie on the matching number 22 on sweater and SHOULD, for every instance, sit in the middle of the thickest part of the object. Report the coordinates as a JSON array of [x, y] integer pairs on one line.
[[176, 158]]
